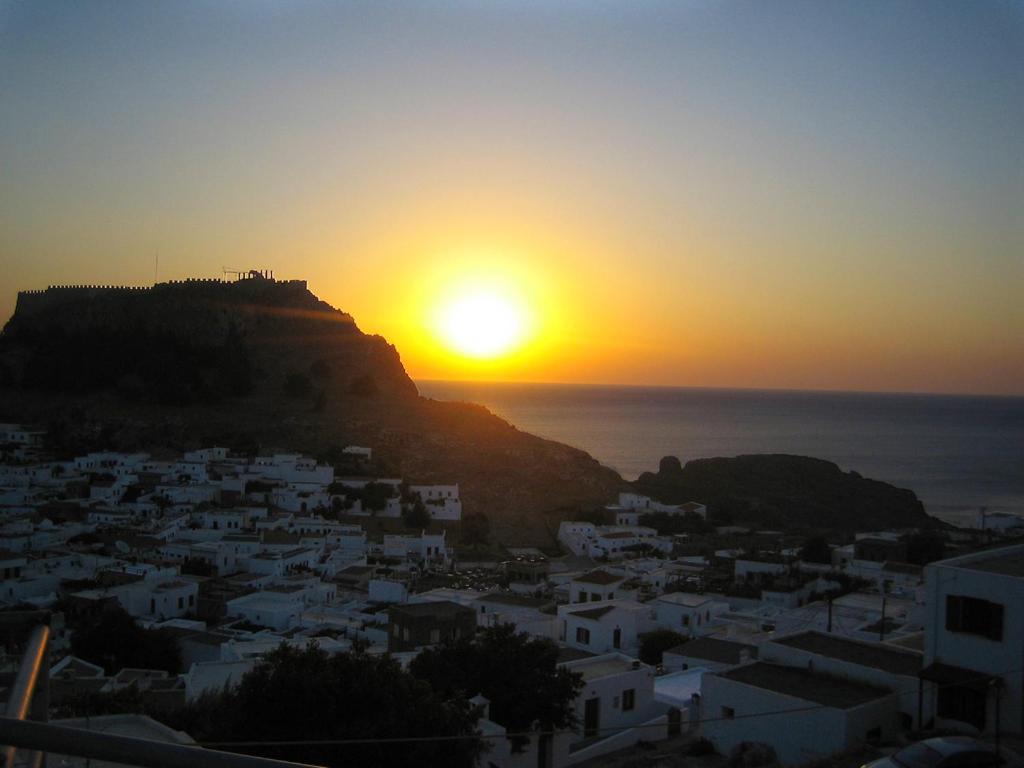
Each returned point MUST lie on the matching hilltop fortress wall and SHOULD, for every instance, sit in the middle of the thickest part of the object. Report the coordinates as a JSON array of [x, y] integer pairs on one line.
[[36, 303]]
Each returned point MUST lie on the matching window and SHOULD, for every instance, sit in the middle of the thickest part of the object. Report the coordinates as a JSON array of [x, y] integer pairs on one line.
[[974, 616], [594, 597], [583, 635], [728, 713], [181, 603], [628, 699], [686, 621]]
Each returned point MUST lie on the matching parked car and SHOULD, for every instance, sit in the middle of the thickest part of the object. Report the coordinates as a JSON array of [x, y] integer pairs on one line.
[[947, 752]]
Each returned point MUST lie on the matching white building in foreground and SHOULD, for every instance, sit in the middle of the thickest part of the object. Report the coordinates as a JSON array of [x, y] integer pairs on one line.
[[974, 636], [805, 716]]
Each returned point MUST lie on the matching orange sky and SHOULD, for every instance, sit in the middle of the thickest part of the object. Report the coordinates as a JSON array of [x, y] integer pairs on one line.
[[796, 194]]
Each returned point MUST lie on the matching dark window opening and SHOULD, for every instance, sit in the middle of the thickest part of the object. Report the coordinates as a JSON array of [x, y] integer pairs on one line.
[[959, 702], [974, 616], [628, 699]]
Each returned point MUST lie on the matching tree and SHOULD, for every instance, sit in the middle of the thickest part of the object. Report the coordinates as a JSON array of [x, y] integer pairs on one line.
[[816, 550], [476, 528], [375, 496], [654, 644], [415, 515], [294, 695], [116, 642], [518, 674]]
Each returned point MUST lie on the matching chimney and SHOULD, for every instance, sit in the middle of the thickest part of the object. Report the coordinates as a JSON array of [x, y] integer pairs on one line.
[[484, 703]]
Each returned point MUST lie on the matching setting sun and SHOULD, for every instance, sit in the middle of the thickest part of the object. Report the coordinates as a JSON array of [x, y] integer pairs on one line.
[[482, 323]]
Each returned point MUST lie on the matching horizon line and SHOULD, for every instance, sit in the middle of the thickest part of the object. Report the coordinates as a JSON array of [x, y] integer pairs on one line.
[[781, 390]]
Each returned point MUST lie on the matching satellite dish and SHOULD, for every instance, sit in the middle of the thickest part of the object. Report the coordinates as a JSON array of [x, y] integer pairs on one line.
[[122, 547]]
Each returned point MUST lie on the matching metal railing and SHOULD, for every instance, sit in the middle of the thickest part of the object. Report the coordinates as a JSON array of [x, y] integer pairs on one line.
[[29, 696], [22, 698], [126, 750]]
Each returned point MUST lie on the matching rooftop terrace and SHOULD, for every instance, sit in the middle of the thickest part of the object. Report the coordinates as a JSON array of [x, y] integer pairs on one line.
[[802, 684]]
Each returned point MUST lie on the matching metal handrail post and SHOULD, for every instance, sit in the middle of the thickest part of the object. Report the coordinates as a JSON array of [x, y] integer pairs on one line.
[[24, 686]]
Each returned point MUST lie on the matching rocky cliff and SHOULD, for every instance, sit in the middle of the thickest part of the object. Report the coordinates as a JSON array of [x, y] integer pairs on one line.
[[264, 364], [786, 492]]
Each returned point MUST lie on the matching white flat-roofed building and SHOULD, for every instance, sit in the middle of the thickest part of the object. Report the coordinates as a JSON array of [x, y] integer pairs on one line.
[[595, 586], [616, 707], [575, 536], [712, 654], [206, 455], [292, 468], [533, 615], [757, 570], [278, 610], [687, 613], [1001, 522], [21, 435], [613, 625], [110, 462], [441, 501], [610, 541], [974, 633], [280, 563], [645, 504], [806, 716], [428, 547], [884, 665]]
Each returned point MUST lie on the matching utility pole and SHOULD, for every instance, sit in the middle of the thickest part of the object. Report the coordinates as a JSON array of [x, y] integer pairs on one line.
[[881, 624]]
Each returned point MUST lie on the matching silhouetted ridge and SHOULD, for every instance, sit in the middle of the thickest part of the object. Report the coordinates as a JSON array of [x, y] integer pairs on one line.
[[783, 491]]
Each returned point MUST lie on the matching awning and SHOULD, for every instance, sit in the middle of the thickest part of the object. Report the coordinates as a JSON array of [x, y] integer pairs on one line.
[[947, 674]]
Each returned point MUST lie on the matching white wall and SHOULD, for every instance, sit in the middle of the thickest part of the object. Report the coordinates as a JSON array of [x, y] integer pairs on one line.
[[798, 737], [1005, 658]]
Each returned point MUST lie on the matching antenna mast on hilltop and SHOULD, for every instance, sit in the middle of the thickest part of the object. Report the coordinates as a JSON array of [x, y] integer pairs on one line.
[[156, 267]]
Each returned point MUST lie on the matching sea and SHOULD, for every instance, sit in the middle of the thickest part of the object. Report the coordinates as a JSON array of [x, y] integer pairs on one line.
[[957, 453]]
